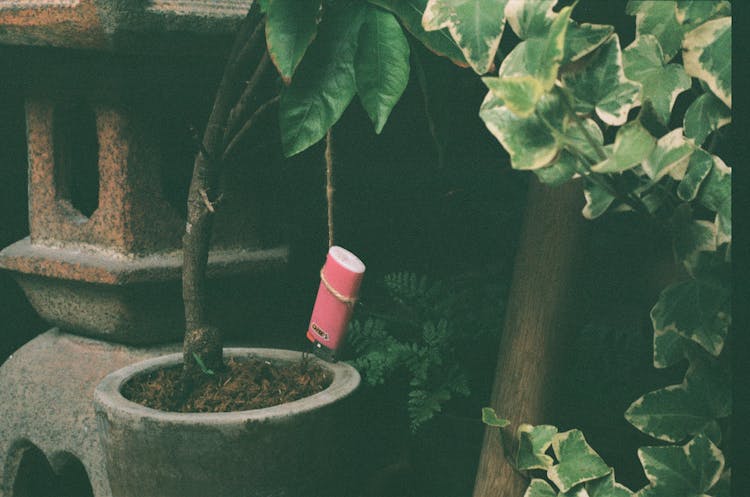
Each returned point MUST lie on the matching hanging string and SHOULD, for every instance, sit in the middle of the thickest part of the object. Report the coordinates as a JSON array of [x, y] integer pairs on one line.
[[350, 301], [329, 184]]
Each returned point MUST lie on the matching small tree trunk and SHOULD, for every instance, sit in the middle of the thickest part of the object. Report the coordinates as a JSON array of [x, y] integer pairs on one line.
[[537, 321], [202, 339]]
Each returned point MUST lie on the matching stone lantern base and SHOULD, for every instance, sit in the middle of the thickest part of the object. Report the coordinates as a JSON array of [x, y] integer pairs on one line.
[[48, 439]]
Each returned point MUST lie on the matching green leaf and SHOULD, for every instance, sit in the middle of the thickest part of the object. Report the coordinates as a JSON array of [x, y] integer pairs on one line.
[[598, 201], [410, 13], [533, 443], [519, 93], [601, 85], [670, 156], [707, 55], [577, 461], [607, 487], [476, 27], [583, 38], [490, 418], [695, 309], [381, 66], [539, 488], [661, 84], [690, 235], [705, 115], [579, 491], [202, 365], [530, 18], [560, 171], [716, 194], [699, 11], [325, 84], [676, 412], [632, 145], [658, 18], [685, 471], [529, 141], [698, 169], [291, 25]]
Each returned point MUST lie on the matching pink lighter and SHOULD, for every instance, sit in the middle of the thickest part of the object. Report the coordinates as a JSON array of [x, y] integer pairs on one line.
[[340, 278]]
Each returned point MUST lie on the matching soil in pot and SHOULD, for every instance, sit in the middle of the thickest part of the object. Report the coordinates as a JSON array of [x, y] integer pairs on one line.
[[242, 385]]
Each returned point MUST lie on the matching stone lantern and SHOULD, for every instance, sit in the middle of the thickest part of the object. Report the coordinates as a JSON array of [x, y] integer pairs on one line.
[[102, 261]]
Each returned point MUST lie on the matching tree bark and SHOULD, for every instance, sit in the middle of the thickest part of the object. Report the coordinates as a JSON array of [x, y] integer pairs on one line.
[[538, 319], [202, 339]]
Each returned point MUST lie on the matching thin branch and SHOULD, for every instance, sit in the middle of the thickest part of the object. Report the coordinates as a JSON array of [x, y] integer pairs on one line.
[[248, 94], [247, 127]]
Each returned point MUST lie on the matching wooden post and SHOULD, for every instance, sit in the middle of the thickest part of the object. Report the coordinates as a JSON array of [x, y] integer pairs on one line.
[[539, 312]]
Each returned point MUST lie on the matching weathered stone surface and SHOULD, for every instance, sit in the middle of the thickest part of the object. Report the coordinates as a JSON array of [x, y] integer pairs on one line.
[[122, 25], [301, 448], [46, 392], [135, 300]]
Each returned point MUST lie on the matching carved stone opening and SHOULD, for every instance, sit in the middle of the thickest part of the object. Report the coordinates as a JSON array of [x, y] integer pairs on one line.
[[76, 159]]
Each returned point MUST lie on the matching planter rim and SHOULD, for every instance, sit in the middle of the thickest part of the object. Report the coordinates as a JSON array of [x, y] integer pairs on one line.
[[107, 396]]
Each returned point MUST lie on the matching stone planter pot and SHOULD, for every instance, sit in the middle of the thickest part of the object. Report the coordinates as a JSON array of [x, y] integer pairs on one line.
[[301, 448]]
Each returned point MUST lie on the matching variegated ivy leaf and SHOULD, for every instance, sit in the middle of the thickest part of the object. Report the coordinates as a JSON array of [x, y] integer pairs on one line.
[[689, 470], [490, 418], [531, 68], [577, 461], [632, 145], [698, 11], [643, 62], [579, 141], [690, 235], [582, 39], [696, 309], [722, 487], [579, 491], [698, 168], [705, 115], [530, 18], [707, 55], [598, 201], [381, 66], [291, 25], [716, 194], [670, 156], [658, 18], [607, 487], [601, 85], [670, 347], [475, 25], [539, 488], [520, 94], [532, 445], [676, 412], [529, 141], [410, 13]]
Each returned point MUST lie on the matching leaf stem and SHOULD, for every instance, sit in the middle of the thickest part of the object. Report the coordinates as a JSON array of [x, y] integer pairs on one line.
[[634, 202]]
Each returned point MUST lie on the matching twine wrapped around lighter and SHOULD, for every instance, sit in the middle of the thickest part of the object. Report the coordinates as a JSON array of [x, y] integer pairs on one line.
[[340, 279]]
